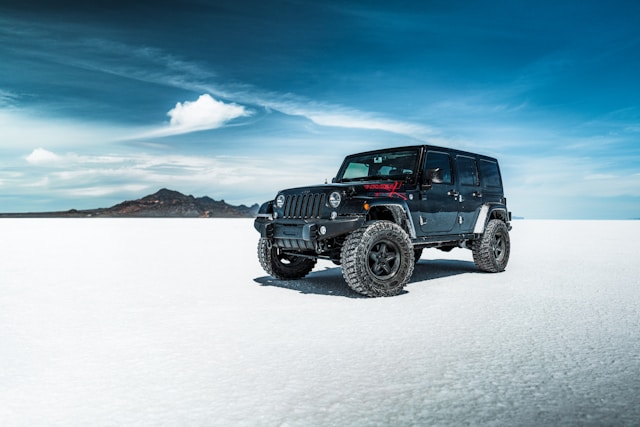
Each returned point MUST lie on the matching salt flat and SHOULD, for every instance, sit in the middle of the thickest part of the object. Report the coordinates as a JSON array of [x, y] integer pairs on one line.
[[173, 322]]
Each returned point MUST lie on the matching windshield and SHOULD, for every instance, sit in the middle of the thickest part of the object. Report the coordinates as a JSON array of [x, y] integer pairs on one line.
[[399, 164]]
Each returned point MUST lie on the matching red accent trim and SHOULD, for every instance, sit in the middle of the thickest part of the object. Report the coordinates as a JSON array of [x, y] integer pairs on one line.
[[389, 190]]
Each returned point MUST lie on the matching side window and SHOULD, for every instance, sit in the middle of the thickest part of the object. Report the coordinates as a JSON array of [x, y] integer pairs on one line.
[[441, 161], [467, 170], [490, 174]]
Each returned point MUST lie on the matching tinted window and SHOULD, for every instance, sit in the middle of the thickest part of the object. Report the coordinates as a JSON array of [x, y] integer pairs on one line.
[[467, 170], [440, 161], [490, 173]]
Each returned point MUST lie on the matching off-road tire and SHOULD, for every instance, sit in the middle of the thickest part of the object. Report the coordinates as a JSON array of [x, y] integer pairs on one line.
[[491, 250], [283, 266], [377, 259]]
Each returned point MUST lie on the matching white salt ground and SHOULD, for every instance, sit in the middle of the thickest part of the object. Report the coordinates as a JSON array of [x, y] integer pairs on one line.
[[107, 322]]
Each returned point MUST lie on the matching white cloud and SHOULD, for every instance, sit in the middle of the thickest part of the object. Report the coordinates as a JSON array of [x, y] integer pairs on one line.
[[202, 114], [40, 156], [205, 113]]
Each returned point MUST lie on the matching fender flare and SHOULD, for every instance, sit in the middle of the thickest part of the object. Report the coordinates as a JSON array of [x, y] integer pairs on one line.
[[265, 211], [400, 211], [487, 211]]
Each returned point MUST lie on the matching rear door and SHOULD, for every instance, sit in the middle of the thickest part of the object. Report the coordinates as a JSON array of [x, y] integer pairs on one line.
[[470, 195], [439, 197]]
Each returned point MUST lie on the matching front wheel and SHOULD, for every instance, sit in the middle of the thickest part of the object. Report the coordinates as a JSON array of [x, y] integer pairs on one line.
[[491, 251], [377, 259], [283, 266]]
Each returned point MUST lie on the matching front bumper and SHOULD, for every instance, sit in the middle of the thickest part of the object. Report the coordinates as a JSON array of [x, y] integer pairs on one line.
[[305, 231]]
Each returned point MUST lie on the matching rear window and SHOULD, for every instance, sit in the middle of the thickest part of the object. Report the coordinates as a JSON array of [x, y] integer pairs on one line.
[[467, 170], [490, 173]]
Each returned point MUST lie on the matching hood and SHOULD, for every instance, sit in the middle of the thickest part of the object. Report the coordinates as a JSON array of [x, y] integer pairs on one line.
[[381, 188]]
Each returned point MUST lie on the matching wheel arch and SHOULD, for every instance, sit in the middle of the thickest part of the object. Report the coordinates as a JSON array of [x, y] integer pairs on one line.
[[266, 208], [487, 213], [392, 211]]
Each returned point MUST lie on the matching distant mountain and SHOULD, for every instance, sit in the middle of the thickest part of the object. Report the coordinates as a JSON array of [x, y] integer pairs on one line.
[[162, 204]]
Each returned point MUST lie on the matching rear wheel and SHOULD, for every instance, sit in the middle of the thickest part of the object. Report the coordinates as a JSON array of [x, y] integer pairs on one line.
[[283, 266], [377, 259], [491, 251]]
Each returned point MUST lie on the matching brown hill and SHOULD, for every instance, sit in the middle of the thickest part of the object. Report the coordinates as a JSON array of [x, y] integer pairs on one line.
[[169, 203], [162, 204]]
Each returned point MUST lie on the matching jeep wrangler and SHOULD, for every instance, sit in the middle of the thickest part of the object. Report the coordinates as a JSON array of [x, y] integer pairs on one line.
[[381, 210]]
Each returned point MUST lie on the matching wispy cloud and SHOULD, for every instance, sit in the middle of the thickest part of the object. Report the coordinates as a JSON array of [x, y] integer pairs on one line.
[[43, 41], [70, 176], [29, 128], [340, 116], [153, 65], [143, 63], [568, 177], [7, 98]]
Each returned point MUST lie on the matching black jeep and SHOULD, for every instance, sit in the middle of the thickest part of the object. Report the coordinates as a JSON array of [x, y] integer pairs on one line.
[[381, 210]]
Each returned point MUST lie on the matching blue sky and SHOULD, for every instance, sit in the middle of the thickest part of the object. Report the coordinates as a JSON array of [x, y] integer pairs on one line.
[[107, 100]]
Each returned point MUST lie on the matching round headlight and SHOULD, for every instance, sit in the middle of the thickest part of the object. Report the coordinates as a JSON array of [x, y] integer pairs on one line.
[[280, 201], [334, 199]]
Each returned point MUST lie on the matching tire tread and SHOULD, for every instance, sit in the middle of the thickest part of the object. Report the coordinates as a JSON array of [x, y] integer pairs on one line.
[[354, 258], [481, 248], [280, 271]]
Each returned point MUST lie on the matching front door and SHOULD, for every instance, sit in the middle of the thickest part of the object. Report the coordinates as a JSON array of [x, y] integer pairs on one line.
[[438, 196]]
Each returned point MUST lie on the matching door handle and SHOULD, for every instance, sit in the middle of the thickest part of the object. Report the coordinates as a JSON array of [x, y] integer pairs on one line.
[[456, 195], [477, 194]]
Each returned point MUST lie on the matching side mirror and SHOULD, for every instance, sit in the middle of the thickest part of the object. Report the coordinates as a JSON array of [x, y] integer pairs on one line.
[[333, 180]]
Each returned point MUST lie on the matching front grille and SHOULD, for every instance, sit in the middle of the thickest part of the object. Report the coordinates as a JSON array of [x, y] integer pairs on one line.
[[303, 206]]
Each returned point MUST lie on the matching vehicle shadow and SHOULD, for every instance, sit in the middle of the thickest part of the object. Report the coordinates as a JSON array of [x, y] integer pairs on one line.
[[430, 269], [321, 282], [330, 281]]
